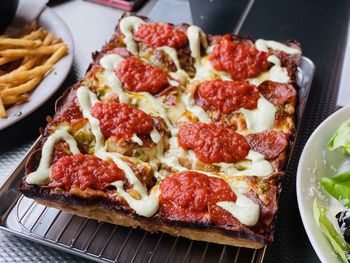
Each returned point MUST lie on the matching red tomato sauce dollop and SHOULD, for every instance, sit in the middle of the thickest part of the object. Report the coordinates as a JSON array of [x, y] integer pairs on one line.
[[239, 58], [190, 196], [84, 171], [227, 96], [121, 120], [160, 34], [137, 76], [213, 143]]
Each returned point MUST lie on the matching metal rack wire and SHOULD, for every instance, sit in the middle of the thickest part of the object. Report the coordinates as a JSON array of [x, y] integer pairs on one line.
[[105, 242]]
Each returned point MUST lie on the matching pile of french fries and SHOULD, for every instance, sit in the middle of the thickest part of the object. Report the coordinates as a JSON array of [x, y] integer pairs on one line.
[[24, 62]]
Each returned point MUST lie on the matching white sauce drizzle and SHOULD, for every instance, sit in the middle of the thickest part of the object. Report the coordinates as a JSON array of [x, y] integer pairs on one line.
[[109, 62], [128, 25], [196, 38], [264, 45], [244, 209], [136, 139], [155, 136], [42, 174], [148, 205], [87, 99], [259, 166], [180, 74], [276, 73], [262, 118], [196, 110]]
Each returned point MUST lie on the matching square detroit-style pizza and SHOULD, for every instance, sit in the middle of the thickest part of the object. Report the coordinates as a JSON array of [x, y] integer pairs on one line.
[[173, 130]]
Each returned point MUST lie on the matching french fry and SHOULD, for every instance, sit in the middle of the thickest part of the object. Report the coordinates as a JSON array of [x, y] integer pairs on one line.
[[4, 86], [48, 39], [18, 42], [10, 100], [2, 109], [29, 28], [22, 76], [5, 60], [30, 52], [57, 55], [37, 34], [28, 57], [23, 88]]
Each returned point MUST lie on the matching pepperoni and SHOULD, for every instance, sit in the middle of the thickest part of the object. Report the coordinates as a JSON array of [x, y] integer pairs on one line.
[[160, 34], [240, 59], [277, 93], [121, 120], [213, 143], [188, 195], [60, 150], [221, 217], [268, 143], [227, 96], [70, 112], [84, 171], [138, 76]]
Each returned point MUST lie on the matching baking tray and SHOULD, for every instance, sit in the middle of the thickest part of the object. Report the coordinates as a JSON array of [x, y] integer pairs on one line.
[[103, 242]]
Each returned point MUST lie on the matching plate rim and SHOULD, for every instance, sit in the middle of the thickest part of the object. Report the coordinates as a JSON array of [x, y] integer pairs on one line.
[[64, 73], [302, 162]]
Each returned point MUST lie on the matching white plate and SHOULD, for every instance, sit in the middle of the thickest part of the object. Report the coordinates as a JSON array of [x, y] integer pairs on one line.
[[316, 162], [51, 22]]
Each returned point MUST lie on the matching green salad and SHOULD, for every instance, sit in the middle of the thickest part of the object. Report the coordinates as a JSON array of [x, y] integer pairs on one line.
[[337, 229]]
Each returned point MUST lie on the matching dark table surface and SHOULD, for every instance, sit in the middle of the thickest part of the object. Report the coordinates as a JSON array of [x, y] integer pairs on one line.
[[321, 27]]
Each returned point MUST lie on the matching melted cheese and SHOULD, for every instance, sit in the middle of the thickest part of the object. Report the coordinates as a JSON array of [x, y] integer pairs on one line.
[[152, 106], [42, 175], [258, 166], [262, 118], [109, 62], [264, 45], [244, 209], [171, 157], [128, 25], [196, 110]]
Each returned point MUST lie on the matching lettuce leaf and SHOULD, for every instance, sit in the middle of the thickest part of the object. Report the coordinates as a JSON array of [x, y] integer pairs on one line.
[[341, 138], [337, 241], [338, 186]]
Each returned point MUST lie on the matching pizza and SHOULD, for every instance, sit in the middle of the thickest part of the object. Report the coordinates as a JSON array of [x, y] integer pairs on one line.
[[173, 130]]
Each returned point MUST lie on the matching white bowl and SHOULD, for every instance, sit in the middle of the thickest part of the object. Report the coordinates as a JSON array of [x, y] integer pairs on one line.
[[316, 162]]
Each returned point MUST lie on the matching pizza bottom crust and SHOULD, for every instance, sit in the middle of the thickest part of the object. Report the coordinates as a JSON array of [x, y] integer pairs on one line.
[[104, 214]]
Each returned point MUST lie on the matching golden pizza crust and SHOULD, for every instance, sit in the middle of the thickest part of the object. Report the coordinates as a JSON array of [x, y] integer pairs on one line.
[[101, 213]]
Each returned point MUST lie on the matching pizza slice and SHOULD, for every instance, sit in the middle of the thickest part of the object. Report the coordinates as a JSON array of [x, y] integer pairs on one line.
[[176, 131]]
